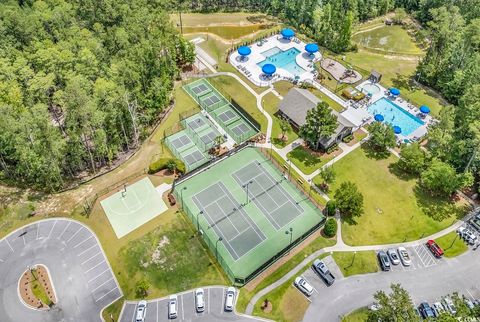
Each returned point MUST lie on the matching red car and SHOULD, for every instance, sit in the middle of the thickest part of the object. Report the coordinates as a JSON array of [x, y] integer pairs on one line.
[[434, 248]]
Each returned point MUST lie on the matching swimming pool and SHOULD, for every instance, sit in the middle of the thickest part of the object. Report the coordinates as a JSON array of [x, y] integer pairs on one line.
[[283, 59], [395, 115]]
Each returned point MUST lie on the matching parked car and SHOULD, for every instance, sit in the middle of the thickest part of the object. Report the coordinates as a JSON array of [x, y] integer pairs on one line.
[[449, 306], [384, 261], [172, 307], [323, 271], [469, 303], [404, 256], [141, 311], [374, 307], [392, 254], [475, 222], [199, 300], [230, 299], [469, 237], [437, 309], [303, 286], [436, 250], [426, 311]]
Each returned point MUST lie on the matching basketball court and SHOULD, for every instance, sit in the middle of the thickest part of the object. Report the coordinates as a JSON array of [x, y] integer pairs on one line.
[[132, 206]]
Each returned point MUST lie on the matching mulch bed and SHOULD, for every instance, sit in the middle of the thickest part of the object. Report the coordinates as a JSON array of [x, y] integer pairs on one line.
[[25, 289]]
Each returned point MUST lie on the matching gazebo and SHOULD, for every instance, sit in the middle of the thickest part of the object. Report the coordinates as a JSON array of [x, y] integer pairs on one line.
[[269, 69], [311, 48], [244, 51], [287, 33]]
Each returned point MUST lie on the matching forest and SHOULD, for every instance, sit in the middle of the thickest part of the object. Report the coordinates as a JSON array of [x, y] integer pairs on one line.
[[80, 83]]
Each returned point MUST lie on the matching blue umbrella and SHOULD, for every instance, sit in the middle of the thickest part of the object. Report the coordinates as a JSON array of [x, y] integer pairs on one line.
[[244, 50], [424, 109], [379, 117], [394, 91], [311, 48], [288, 33], [269, 69], [397, 129]]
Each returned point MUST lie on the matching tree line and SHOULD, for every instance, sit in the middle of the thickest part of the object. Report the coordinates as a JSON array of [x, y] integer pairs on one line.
[[80, 83]]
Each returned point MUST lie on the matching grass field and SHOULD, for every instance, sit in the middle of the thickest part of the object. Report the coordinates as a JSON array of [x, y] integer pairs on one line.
[[396, 210], [360, 315], [270, 103], [307, 162], [213, 19], [351, 263], [452, 244], [389, 39]]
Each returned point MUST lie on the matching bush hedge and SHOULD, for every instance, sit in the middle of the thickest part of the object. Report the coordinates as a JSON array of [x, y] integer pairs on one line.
[[330, 208], [330, 228], [348, 138], [162, 163]]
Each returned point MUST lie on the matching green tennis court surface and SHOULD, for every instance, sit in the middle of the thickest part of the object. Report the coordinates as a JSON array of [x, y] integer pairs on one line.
[[221, 110], [244, 205], [128, 209]]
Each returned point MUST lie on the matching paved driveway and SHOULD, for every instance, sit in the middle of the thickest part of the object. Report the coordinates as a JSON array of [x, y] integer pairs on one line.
[[214, 300], [428, 279], [81, 276]]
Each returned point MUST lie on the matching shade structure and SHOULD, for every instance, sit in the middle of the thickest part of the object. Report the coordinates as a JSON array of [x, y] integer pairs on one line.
[[311, 48], [244, 50], [424, 109], [379, 117], [269, 69], [394, 91], [397, 129], [287, 33]]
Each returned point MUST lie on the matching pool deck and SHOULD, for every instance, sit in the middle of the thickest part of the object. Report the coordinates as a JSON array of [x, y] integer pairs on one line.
[[253, 72]]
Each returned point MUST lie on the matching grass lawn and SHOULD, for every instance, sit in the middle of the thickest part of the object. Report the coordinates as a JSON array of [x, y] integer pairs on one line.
[[359, 263], [358, 135], [221, 18], [226, 32], [230, 87], [307, 162], [246, 294], [270, 103], [39, 291], [395, 209], [360, 315], [389, 39], [452, 244]]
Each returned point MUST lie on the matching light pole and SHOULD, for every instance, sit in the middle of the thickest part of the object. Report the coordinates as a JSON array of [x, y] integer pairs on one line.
[[198, 224], [216, 247], [289, 232], [246, 186], [181, 195]]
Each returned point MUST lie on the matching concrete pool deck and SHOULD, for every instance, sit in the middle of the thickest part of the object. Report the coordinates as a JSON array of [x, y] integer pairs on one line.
[[253, 72]]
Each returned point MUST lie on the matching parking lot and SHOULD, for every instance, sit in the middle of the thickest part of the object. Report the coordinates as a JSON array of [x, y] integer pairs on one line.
[[157, 310], [82, 278]]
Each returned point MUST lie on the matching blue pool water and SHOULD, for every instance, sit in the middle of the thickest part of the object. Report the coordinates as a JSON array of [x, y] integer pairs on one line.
[[395, 115], [283, 59]]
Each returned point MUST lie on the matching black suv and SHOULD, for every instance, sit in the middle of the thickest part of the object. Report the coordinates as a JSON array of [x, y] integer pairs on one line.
[[384, 260]]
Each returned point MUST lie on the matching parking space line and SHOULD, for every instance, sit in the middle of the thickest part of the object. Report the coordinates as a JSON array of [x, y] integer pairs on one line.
[[208, 304], [1, 260], [91, 280], [96, 288], [183, 308], [94, 266], [92, 257], [74, 235], [472, 297], [64, 229], [38, 229], [82, 242], [23, 237], [101, 297], [86, 250], [8, 243], [157, 311], [54, 223], [223, 299]]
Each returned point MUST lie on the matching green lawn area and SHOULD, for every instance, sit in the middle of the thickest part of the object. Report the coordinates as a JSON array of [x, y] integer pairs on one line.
[[452, 244], [226, 32], [316, 244], [395, 209], [389, 39], [360, 315], [220, 18], [308, 162], [270, 103], [351, 263], [39, 291]]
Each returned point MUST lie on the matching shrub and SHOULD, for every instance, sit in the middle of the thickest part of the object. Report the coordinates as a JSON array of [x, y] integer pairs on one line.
[[330, 228], [332, 149], [330, 208], [163, 163], [348, 138]]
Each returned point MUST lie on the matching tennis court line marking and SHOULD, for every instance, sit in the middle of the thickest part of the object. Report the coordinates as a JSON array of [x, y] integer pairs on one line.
[[225, 215]]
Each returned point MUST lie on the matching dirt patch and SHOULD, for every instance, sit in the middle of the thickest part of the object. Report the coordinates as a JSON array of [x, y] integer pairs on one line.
[[36, 276], [267, 307]]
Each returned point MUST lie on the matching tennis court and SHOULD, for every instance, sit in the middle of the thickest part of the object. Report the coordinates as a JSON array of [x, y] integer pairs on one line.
[[133, 206], [184, 148], [243, 205], [234, 122]]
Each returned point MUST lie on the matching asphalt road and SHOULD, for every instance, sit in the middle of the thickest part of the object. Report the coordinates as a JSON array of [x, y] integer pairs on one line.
[[157, 310], [81, 276], [427, 279]]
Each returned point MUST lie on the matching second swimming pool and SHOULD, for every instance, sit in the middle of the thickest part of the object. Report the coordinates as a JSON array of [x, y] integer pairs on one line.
[[285, 59]]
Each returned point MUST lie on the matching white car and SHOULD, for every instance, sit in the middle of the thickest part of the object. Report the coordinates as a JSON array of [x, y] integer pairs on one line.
[[374, 307], [437, 309], [470, 237], [469, 303], [303, 286], [141, 311], [449, 306], [230, 299], [392, 253], [172, 307], [199, 300], [404, 257]]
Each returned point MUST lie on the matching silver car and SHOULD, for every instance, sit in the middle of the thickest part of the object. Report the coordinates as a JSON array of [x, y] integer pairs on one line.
[[141, 311], [404, 257], [392, 253]]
